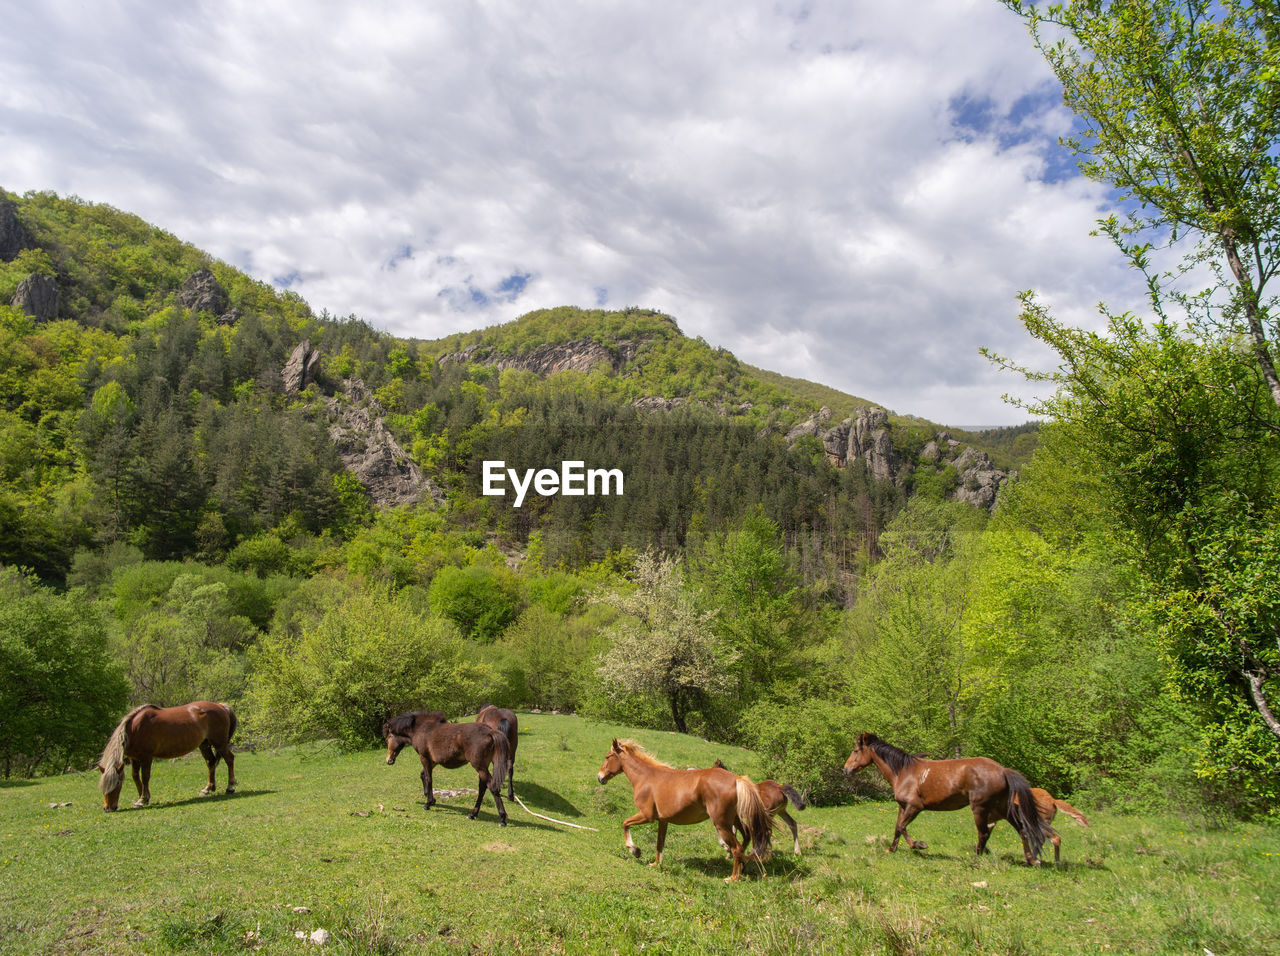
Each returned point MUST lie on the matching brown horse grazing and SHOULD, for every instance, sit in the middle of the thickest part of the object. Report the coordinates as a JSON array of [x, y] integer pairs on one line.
[[451, 745], [682, 797], [775, 796], [150, 733], [503, 720], [990, 790], [1047, 806]]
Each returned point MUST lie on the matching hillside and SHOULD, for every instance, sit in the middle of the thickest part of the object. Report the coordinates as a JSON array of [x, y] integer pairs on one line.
[[174, 403]]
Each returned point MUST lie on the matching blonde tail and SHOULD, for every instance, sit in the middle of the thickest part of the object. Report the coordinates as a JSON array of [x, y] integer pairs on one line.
[[755, 820]]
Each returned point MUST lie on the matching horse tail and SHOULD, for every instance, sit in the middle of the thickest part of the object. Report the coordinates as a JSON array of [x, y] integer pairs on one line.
[[1071, 811], [790, 793], [112, 758], [1022, 813], [231, 723], [500, 753], [755, 819]]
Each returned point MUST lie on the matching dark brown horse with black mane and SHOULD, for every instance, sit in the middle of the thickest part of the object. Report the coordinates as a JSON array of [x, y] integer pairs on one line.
[[668, 795], [503, 720], [993, 792], [150, 733], [451, 745], [775, 796]]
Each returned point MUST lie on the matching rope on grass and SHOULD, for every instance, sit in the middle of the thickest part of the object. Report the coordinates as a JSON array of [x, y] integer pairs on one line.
[[563, 823]]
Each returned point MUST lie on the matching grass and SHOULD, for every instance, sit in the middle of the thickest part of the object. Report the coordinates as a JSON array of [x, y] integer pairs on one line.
[[318, 840]]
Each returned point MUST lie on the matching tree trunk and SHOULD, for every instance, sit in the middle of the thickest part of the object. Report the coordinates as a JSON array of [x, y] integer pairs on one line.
[[675, 712]]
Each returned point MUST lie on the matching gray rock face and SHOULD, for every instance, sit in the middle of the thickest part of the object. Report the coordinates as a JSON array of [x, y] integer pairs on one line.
[[370, 451], [37, 296], [980, 479], [866, 437], [13, 235], [301, 368], [202, 293], [578, 356]]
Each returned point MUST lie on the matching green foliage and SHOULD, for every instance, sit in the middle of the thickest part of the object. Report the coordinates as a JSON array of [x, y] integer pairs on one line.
[[479, 599], [340, 660], [804, 744], [665, 647], [60, 692]]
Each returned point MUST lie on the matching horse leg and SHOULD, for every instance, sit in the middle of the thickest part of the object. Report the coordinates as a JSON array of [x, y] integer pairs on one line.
[[905, 815], [985, 825], [795, 831], [427, 790], [662, 838], [511, 775], [485, 782], [730, 843], [211, 760], [481, 785], [1057, 841], [144, 788], [225, 752], [627, 824]]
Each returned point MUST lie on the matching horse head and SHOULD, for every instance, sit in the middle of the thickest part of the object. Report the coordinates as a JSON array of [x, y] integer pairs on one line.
[[612, 765], [110, 784], [861, 755]]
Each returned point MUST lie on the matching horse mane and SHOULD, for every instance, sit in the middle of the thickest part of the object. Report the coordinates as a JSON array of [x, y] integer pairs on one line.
[[896, 758], [113, 753], [639, 753]]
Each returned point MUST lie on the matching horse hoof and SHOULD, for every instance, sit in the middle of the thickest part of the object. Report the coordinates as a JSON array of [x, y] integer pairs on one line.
[[138, 804], [634, 851], [471, 816], [230, 790], [502, 821], [206, 791]]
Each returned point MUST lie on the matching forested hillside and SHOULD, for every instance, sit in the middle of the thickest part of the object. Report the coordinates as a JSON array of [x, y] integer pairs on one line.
[[180, 518]]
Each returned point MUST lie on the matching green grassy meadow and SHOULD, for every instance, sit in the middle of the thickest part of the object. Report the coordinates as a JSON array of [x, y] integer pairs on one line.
[[316, 839]]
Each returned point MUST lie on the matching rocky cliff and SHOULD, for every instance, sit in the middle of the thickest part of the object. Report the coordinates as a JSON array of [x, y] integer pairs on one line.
[[582, 355], [370, 451], [868, 437]]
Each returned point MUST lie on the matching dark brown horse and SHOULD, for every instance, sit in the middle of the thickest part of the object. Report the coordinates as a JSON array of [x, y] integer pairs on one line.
[[993, 792], [451, 745], [668, 795], [775, 796], [150, 733], [503, 720], [1047, 806]]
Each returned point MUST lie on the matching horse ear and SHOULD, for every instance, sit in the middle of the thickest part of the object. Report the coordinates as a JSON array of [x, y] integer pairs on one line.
[[616, 748]]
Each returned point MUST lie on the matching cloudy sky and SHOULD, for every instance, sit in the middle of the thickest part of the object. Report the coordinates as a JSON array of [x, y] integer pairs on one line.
[[851, 192]]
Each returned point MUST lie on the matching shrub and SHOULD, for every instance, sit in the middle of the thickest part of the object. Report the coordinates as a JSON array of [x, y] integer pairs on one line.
[[805, 745], [346, 659]]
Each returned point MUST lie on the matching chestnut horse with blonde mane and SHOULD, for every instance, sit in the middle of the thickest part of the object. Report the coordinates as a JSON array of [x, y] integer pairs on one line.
[[775, 796], [682, 797], [150, 733], [1047, 805], [993, 792]]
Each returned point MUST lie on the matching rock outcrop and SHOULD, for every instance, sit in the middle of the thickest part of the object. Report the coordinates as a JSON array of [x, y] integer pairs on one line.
[[37, 296], [13, 235], [867, 437], [203, 293], [581, 355], [980, 479], [370, 451], [301, 369]]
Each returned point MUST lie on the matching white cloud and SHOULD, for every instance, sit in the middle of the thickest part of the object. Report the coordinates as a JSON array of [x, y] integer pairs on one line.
[[851, 193]]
